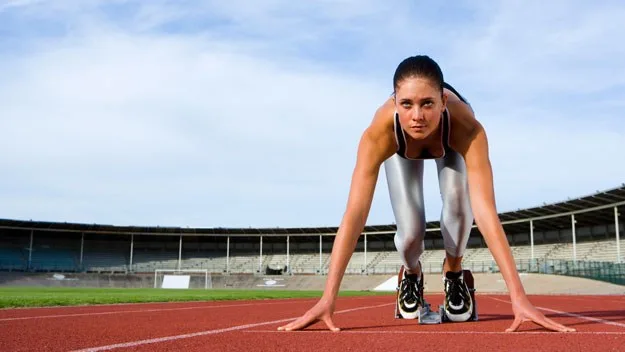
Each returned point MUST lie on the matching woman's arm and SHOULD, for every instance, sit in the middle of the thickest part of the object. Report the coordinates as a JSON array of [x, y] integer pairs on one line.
[[374, 147], [482, 195], [364, 179]]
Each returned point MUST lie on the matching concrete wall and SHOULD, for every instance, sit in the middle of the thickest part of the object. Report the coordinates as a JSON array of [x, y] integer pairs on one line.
[[485, 283]]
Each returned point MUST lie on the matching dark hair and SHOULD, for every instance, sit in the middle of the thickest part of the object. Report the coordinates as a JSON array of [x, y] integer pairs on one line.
[[418, 66]]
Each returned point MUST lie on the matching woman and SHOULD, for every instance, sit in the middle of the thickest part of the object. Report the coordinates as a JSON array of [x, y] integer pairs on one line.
[[425, 118]]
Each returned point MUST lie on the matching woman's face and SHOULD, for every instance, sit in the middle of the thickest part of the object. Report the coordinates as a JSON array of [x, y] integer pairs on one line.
[[419, 103]]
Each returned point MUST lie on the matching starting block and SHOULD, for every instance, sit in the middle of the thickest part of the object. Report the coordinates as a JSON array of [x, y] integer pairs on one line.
[[428, 316]]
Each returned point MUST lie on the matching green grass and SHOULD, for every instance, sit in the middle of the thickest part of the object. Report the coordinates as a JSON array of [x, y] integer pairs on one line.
[[40, 297]]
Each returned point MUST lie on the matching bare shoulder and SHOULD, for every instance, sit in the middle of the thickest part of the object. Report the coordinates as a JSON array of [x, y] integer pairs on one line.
[[383, 119], [378, 141], [464, 125]]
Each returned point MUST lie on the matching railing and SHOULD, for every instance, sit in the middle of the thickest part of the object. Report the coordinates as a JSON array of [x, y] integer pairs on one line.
[[603, 271]]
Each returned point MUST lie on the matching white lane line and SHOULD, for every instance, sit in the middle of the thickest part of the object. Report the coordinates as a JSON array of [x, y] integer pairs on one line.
[[446, 332], [597, 320], [607, 322], [214, 306], [209, 332], [137, 304], [81, 306], [134, 311], [587, 299]]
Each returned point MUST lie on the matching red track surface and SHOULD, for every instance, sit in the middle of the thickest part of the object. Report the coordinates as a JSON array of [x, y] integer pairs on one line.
[[367, 325]]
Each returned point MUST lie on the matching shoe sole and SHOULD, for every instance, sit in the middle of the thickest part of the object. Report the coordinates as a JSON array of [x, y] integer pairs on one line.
[[402, 313], [407, 315], [457, 318], [466, 316]]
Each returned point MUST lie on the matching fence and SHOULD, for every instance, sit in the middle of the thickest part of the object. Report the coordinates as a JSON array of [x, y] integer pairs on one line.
[[604, 271]]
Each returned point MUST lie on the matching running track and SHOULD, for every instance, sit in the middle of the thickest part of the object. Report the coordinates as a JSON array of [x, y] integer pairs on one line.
[[367, 324]]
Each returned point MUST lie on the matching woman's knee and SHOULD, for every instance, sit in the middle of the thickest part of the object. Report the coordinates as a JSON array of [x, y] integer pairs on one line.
[[410, 249], [403, 242], [455, 250], [410, 236]]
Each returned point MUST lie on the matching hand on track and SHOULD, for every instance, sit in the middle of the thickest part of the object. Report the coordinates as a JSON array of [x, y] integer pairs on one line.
[[322, 311], [524, 311]]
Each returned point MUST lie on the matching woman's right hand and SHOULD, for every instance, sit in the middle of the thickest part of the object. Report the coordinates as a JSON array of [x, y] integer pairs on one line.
[[322, 311], [375, 146]]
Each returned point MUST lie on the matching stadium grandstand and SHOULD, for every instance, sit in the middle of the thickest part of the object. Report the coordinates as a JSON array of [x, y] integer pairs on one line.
[[582, 229]]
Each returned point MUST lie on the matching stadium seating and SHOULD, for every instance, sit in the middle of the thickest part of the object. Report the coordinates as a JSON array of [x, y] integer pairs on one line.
[[13, 259], [109, 255], [13, 252], [101, 255]]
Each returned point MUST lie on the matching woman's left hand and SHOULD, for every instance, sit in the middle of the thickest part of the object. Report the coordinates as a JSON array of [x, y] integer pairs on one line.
[[524, 311]]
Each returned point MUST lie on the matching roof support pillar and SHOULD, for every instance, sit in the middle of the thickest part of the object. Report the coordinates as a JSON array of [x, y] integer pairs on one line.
[[532, 239], [574, 242], [320, 255], [618, 240]]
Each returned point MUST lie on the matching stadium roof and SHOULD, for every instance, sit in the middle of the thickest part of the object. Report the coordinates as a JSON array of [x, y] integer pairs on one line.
[[595, 209]]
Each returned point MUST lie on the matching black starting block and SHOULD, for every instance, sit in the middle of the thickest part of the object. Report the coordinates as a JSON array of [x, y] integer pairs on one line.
[[425, 313]]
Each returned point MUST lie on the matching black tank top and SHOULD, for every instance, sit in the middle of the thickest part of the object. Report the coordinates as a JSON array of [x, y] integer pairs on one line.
[[400, 137]]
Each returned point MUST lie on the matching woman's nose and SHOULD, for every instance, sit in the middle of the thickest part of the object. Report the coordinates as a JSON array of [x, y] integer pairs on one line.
[[416, 115]]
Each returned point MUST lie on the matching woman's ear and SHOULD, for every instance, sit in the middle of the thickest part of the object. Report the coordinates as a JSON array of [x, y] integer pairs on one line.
[[445, 97]]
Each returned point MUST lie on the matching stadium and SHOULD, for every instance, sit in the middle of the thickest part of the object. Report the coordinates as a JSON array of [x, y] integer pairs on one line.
[[564, 251], [577, 237], [142, 139]]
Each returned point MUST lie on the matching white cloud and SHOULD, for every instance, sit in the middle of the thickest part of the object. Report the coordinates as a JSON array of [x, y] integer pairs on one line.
[[174, 113], [546, 79], [536, 47], [176, 126], [10, 4]]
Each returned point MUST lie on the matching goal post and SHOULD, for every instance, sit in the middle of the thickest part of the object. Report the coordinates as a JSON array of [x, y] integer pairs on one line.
[[181, 278]]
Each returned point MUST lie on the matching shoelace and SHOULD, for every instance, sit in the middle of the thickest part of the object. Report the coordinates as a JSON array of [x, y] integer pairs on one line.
[[410, 290], [456, 292]]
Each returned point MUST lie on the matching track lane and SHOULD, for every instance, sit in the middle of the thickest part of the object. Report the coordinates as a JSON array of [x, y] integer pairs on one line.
[[75, 332], [251, 325]]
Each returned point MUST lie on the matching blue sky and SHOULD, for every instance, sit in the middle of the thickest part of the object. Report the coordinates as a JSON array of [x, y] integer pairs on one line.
[[246, 113]]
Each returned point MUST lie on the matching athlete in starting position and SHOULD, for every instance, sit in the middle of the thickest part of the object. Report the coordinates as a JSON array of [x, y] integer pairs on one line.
[[426, 118]]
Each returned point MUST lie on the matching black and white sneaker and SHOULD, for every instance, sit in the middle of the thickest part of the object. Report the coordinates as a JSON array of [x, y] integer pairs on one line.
[[458, 304], [409, 295]]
